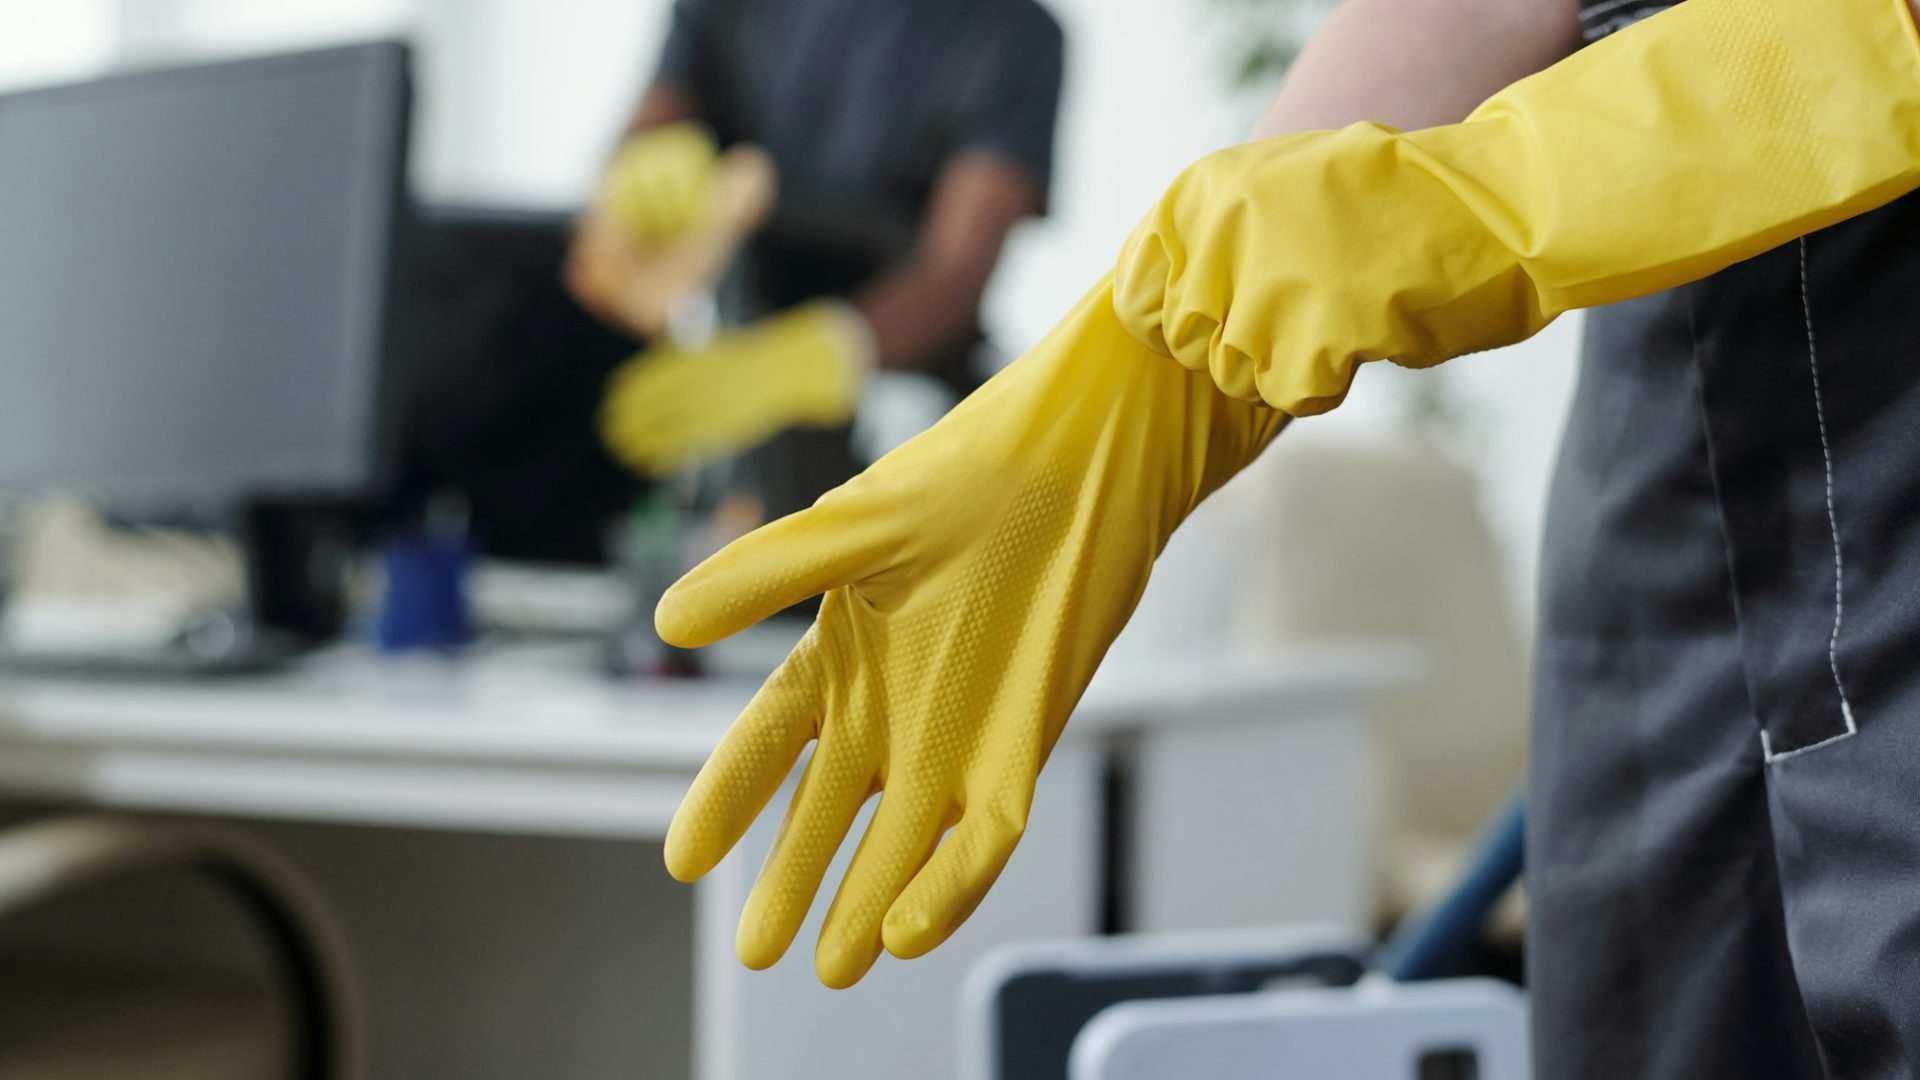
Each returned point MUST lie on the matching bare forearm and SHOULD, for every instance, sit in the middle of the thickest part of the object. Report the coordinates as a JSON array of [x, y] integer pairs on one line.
[[933, 297], [1417, 63], [663, 103], [920, 306]]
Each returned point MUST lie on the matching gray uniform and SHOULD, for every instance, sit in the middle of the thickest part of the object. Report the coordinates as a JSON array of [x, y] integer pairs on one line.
[[1724, 841]]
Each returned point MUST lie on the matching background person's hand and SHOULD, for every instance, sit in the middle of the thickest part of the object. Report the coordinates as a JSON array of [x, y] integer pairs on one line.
[[974, 578], [659, 183], [666, 221]]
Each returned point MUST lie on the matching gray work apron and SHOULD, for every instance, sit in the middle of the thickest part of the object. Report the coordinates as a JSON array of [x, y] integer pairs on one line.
[[1724, 834]]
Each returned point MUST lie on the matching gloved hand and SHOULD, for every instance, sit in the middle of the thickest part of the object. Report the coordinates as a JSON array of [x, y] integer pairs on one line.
[[668, 218], [1697, 138], [974, 577], [670, 407], [659, 184]]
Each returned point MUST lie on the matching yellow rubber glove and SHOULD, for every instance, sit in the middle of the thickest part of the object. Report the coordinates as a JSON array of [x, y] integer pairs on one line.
[[639, 255], [1695, 139], [659, 184], [671, 407], [974, 577]]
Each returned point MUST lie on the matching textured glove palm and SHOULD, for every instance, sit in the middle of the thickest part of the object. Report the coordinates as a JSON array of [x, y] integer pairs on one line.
[[1699, 137], [974, 578]]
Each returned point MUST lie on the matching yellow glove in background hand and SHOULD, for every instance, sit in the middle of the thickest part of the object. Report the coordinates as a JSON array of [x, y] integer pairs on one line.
[[671, 407], [668, 218], [974, 577], [1697, 138], [659, 184]]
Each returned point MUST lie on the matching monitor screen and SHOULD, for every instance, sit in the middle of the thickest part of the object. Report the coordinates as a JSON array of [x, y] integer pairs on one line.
[[194, 275]]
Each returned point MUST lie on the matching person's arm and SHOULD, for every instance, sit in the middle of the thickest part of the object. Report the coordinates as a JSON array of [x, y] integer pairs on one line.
[[975, 577], [1446, 56], [665, 102], [1680, 145], [683, 69], [934, 295], [999, 122], [1415, 65], [1421, 64]]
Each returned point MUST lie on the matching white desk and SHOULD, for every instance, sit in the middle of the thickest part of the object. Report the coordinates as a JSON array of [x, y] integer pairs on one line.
[[529, 741]]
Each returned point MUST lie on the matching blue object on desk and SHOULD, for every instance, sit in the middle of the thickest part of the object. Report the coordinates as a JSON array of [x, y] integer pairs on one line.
[[425, 606]]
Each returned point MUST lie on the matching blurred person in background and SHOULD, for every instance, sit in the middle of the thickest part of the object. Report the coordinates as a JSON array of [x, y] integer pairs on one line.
[[905, 142]]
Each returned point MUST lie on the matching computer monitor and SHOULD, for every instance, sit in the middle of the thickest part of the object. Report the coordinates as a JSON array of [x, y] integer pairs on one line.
[[196, 283], [507, 376], [194, 277]]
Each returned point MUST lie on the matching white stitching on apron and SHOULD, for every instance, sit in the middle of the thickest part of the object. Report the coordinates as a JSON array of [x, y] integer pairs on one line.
[[1833, 525]]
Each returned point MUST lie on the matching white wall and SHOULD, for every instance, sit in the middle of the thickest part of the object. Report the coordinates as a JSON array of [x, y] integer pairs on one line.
[[43, 42], [521, 101], [521, 98], [158, 30]]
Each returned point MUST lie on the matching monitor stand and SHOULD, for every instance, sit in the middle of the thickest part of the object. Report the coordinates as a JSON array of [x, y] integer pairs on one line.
[[297, 555]]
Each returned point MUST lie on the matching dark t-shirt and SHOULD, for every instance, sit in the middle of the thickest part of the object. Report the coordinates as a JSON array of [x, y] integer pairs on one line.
[[862, 103], [869, 98]]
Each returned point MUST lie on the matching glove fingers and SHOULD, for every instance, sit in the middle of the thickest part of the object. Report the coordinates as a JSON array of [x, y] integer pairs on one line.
[[650, 447], [658, 195], [821, 548], [635, 430], [671, 194], [897, 844], [636, 209], [645, 197], [944, 894], [749, 765], [653, 378], [828, 798], [632, 416], [646, 420]]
